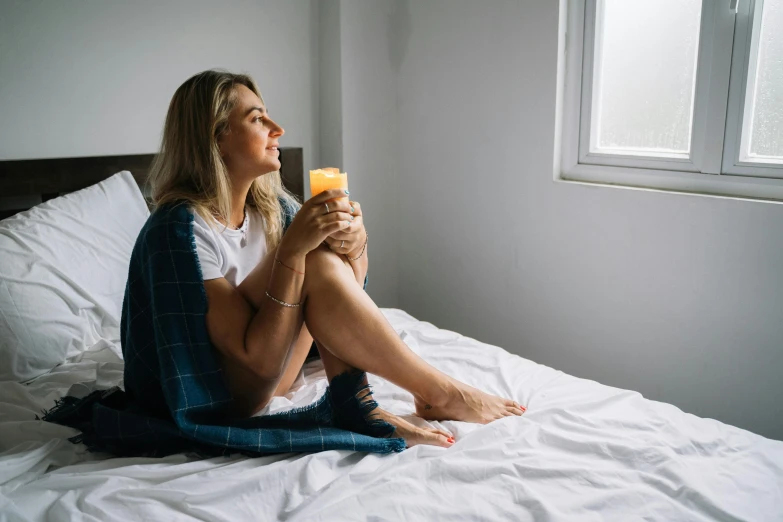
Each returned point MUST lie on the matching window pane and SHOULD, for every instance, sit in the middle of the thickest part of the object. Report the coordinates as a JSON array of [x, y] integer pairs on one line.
[[765, 103], [645, 76]]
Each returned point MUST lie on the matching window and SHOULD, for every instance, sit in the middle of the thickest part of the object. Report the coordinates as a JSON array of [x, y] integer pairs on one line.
[[682, 95]]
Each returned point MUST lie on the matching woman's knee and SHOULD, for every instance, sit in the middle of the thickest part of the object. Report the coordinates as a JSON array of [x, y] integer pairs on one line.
[[322, 263]]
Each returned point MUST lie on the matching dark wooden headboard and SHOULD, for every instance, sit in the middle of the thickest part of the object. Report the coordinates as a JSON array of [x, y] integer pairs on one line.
[[49, 178]]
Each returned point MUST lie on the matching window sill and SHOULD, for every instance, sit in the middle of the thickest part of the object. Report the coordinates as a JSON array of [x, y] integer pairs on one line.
[[723, 186]]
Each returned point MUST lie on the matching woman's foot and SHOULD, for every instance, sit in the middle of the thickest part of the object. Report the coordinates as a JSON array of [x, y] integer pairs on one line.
[[465, 403], [414, 435]]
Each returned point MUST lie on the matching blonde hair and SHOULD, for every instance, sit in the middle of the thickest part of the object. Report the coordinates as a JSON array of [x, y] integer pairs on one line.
[[189, 168]]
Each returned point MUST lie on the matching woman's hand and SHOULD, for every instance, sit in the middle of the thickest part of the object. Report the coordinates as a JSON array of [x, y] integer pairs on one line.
[[351, 239], [316, 220]]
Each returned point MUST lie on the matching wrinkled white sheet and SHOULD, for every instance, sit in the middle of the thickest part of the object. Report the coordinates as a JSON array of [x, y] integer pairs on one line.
[[583, 452]]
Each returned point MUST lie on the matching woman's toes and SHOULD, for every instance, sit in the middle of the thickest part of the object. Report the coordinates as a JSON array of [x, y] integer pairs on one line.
[[414, 435], [517, 407], [446, 439], [438, 438], [513, 410]]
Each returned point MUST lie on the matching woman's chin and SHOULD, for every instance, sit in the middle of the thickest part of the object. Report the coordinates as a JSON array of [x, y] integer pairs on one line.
[[268, 167]]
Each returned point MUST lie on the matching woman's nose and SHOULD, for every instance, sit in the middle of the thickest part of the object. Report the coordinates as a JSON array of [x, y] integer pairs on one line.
[[277, 130]]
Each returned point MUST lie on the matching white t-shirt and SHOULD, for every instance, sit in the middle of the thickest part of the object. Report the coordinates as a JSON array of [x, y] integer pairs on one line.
[[224, 252]]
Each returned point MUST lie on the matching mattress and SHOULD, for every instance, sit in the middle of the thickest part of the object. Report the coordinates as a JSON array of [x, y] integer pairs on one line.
[[583, 451]]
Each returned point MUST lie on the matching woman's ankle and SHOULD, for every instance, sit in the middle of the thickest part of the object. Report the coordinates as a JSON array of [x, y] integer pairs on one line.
[[439, 393]]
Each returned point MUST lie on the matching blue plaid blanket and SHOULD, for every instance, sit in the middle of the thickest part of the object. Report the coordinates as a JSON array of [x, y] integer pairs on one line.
[[175, 395]]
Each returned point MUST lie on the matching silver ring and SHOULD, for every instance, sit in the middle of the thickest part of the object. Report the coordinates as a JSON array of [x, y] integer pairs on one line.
[[327, 207], [342, 243]]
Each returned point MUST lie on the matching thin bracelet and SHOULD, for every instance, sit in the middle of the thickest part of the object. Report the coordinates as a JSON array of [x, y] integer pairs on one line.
[[278, 301], [366, 238], [288, 267]]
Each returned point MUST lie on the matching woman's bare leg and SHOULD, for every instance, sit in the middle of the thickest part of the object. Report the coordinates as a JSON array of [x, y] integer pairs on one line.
[[299, 353], [302, 344], [320, 263], [412, 434], [252, 288], [348, 324]]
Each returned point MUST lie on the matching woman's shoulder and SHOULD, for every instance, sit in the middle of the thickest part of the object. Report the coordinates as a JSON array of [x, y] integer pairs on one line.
[[168, 214], [168, 229], [199, 221], [165, 221]]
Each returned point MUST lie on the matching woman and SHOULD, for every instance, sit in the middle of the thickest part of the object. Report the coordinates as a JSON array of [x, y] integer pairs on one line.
[[269, 293]]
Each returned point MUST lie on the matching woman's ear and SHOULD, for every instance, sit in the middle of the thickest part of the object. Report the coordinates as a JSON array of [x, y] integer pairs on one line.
[[221, 146]]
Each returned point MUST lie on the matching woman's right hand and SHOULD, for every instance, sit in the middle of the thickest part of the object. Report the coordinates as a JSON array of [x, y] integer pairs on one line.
[[312, 224]]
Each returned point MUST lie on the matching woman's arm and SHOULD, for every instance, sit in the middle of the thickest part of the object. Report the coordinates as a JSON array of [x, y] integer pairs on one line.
[[352, 243], [360, 266]]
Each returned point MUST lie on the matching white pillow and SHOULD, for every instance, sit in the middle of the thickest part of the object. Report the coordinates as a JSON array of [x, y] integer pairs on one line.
[[63, 269]]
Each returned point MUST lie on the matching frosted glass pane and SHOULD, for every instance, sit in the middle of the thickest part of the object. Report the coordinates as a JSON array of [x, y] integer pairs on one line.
[[766, 134], [644, 76]]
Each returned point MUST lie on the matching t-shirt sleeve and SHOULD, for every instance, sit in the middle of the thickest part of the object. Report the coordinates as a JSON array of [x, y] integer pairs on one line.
[[209, 256]]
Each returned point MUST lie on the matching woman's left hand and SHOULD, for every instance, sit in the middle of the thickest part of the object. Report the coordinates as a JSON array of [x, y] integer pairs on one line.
[[349, 239]]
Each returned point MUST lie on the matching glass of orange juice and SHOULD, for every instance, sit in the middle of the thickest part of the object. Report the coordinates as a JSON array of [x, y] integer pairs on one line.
[[327, 178]]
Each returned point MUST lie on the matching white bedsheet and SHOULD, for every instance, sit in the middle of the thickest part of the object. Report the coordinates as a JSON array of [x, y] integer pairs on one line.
[[583, 451]]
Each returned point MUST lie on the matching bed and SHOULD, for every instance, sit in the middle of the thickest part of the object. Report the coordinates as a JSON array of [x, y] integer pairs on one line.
[[583, 451]]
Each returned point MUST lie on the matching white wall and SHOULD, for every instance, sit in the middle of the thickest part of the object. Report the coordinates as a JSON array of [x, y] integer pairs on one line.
[[95, 78], [679, 297], [330, 85], [370, 138]]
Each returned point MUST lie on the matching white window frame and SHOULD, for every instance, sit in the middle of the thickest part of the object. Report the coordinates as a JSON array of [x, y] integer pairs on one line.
[[745, 47], [713, 167]]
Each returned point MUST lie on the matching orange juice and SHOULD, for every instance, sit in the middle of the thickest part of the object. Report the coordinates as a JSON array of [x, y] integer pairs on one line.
[[328, 178]]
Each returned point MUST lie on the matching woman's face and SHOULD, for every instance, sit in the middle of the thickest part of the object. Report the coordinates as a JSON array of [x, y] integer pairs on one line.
[[250, 147]]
